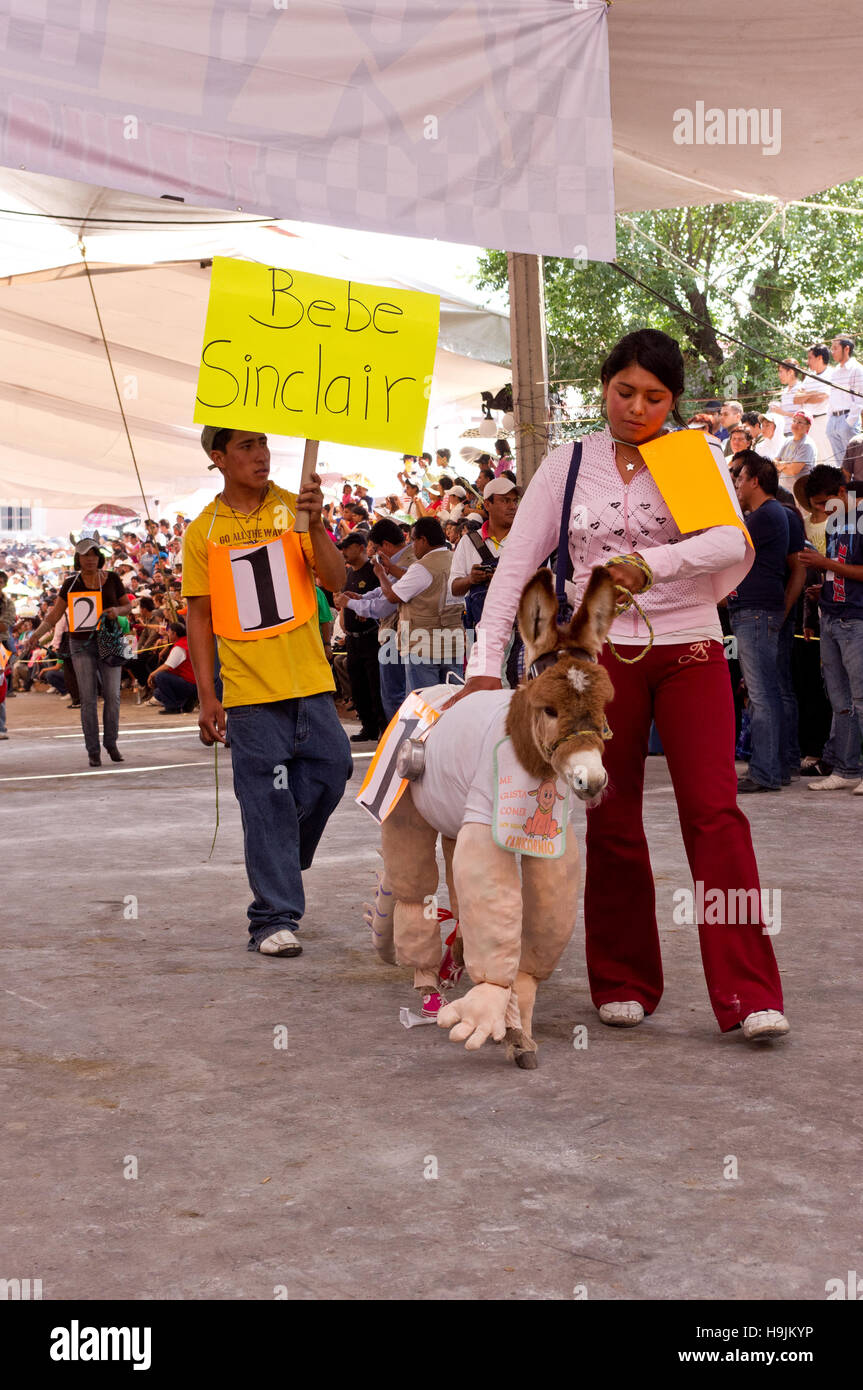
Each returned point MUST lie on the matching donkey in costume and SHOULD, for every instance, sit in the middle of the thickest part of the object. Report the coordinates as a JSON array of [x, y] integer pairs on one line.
[[513, 928]]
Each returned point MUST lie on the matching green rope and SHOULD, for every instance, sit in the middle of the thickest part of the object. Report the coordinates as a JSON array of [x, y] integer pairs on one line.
[[216, 771], [628, 600]]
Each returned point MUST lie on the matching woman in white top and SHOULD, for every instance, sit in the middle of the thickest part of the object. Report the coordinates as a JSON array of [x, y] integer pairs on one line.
[[618, 516]]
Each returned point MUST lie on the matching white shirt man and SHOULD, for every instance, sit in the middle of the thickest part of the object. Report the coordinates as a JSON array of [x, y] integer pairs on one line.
[[843, 407], [786, 406], [814, 396], [501, 498]]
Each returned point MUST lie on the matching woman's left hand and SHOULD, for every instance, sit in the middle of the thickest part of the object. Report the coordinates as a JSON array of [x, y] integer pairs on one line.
[[627, 576]]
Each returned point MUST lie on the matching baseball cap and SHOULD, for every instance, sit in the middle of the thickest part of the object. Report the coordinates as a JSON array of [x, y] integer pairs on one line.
[[803, 415], [208, 434], [86, 543], [498, 486], [456, 492]]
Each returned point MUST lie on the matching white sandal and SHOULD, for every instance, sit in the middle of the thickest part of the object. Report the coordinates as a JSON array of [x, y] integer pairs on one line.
[[765, 1024], [626, 1013]]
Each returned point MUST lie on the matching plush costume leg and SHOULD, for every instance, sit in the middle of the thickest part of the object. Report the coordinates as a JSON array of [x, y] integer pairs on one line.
[[550, 896], [489, 897], [452, 964], [549, 891], [378, 917], [410, 869]]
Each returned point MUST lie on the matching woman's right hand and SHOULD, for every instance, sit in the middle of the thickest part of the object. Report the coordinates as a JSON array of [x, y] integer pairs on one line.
[[475, 683]]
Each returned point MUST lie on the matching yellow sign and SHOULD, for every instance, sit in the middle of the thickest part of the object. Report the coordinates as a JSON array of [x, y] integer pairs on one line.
[[694, 482], [296, 354]]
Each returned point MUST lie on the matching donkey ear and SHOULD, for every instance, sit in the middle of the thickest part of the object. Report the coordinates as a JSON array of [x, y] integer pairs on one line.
[[537, 617], [589, 626]]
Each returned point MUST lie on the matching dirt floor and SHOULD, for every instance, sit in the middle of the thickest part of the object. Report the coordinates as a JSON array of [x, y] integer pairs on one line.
[[160, 1142]]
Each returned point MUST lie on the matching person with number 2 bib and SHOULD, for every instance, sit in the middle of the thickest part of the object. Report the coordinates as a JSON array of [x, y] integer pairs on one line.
[[250, 582]]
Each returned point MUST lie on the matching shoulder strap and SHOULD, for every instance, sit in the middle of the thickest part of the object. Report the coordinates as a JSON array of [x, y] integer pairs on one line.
[[563, 539], [481, 548]]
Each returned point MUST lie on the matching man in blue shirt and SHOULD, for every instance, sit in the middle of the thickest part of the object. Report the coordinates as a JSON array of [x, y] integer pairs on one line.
[[795, 582], [841, 610], [756, 610]]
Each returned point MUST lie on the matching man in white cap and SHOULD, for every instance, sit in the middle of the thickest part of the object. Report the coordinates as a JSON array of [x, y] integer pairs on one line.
[[456, 498], [249, 579], [797, 454], [475, 557], [772, 436]]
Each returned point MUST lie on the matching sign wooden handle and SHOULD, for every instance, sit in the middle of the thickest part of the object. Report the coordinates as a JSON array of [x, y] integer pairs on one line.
[[310, 460]]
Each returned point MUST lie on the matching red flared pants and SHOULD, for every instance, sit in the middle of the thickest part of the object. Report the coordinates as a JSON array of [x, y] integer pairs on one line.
[[687, 690]]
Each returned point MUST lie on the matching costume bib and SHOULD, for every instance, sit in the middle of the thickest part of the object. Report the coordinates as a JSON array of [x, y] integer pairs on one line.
[[529, 814], [84, 609], [382, 786], [259, 590]]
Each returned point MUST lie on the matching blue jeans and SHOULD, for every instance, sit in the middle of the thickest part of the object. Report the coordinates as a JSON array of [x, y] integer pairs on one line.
[[789, 742], [757, 632], [838, 433], [393, 686], [174, 691], [86, 664], [842, 667], [291, 760], [424, 674]]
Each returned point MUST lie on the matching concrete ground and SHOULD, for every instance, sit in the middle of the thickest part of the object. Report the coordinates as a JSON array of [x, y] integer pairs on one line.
[[147, 1044]]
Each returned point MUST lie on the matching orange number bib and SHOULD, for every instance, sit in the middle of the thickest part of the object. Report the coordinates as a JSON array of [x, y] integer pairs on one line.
[[259, 590], [84, 609]]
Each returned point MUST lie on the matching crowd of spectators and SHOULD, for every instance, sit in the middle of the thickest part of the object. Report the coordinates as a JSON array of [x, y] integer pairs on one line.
[[795, 467]]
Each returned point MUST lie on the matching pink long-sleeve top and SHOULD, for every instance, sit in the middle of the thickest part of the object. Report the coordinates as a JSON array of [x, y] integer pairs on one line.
[[610, 517]]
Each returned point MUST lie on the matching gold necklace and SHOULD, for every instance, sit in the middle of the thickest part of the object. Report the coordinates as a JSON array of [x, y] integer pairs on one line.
[[256, 514]]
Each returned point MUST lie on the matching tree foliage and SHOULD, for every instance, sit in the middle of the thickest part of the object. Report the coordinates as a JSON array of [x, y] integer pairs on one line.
[[779, 288]]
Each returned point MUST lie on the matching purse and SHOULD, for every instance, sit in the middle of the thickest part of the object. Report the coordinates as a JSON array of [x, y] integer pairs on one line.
[[111, 643]]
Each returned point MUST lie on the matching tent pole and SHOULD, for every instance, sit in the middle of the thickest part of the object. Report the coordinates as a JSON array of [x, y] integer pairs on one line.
[[529, 361]]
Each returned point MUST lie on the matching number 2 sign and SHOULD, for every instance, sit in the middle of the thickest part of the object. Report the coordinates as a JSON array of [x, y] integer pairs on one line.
[[84, 610]]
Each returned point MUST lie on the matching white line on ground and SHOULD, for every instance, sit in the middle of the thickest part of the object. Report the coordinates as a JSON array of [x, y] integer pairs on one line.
[[26, 1000], [107, 772], [125, 733]]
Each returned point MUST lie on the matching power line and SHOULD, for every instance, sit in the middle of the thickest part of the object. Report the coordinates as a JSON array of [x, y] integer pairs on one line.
[[705, 323]]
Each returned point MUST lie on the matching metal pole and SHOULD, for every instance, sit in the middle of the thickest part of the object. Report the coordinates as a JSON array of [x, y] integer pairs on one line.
[[529, 361]]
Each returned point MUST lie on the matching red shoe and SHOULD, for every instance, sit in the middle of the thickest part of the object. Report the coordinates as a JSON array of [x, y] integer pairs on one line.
[[432, 1004], [449, 973]]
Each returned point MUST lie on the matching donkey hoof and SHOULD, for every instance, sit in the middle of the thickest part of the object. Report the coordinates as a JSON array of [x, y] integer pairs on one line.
[[526, 1060]]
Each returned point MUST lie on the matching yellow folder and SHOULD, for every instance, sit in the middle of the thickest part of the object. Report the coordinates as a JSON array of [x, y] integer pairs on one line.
[[696, 486]]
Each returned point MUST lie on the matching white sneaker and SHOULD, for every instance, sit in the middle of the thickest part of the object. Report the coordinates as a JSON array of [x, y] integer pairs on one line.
[[767, 1023], [833, 783], [281, 943], [626, 1013]]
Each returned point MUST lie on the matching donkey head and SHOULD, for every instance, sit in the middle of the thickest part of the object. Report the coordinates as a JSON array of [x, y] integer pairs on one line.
[[556, 717]]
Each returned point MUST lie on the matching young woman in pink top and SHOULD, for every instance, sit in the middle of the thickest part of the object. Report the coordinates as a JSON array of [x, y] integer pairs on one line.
[[682, 683]]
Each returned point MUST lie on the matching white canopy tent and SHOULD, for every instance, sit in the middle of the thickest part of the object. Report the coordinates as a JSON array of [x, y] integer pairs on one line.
[[482, 121], [64, 440]]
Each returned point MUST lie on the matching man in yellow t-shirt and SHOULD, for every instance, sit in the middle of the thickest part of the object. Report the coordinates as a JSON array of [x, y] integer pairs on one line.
[[249, 581]]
